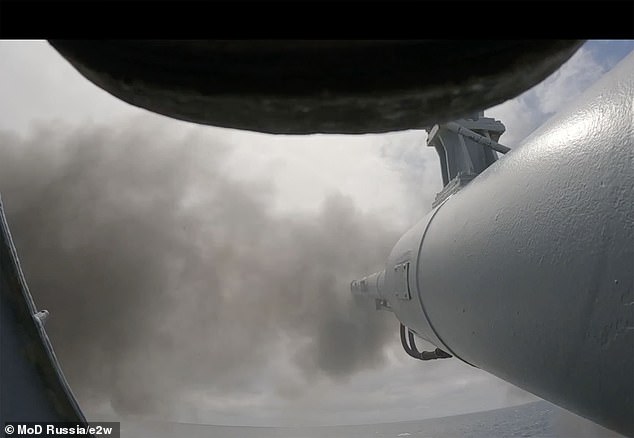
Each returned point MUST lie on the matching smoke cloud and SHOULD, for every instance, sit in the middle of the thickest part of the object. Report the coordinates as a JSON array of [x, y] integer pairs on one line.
[[165, 275]]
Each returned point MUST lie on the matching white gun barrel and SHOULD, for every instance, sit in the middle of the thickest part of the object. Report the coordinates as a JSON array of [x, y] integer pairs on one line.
[[370, 287], [527, 271]]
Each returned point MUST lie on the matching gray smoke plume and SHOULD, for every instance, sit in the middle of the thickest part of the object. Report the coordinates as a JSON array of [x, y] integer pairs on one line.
[[165, 275]]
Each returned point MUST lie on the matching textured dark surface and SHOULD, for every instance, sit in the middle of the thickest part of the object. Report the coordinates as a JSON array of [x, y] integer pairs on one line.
[[33, 387], [302, 87]]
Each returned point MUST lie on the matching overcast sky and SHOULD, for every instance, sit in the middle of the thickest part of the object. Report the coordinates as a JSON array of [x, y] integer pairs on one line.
[[201, 274]]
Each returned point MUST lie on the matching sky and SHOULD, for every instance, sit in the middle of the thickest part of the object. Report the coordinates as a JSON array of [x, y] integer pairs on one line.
[[201, 274]]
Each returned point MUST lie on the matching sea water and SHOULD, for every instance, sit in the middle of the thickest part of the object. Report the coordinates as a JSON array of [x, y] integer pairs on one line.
[[537, 419]]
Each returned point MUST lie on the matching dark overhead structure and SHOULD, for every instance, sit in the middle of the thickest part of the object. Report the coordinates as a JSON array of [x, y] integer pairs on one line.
[[304, 87]]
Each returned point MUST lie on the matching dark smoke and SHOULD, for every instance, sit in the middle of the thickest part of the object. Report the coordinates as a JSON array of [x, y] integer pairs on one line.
[[164, 275]]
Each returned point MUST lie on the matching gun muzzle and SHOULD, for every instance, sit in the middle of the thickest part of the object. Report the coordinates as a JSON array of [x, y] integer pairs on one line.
[[373, 287], [370, 286]]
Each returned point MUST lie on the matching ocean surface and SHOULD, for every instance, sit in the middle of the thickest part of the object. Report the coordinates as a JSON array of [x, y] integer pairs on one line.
[[537, 419]]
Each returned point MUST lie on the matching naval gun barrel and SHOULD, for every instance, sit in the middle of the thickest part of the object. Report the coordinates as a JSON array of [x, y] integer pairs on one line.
[[370, 286], [527, 271]]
